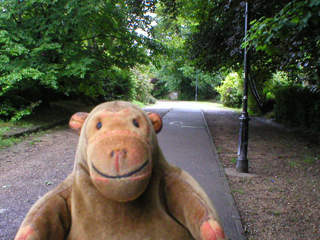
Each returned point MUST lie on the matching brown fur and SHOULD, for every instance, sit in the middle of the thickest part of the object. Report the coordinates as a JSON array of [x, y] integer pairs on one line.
[[122, 187]]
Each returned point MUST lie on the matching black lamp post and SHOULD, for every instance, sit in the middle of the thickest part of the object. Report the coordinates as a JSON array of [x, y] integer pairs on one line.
[[242, 160], [196, 94]]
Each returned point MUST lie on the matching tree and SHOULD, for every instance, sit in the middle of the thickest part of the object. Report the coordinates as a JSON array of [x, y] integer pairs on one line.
[[170, 56], [283, 37], [291, 36], [175, 70], [51, 49]]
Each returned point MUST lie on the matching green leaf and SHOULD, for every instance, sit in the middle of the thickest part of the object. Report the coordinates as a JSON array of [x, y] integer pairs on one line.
[[295, 20], [314, 3], [271, 49]]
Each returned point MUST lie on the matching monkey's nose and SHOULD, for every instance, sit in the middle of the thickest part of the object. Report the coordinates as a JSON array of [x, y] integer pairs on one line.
[[118, 153]]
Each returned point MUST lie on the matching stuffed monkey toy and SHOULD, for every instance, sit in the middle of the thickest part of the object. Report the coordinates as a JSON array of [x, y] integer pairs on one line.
[[121, 186]]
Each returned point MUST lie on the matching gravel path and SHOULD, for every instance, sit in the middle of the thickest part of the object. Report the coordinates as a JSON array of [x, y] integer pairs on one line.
[[29, 170]]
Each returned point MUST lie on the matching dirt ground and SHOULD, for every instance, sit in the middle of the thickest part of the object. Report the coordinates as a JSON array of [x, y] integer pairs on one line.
[[281, 201], [28, 170]]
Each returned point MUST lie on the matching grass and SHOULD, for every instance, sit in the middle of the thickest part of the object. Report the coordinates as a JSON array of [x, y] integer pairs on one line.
[[7, 125], [140, 104], [276, 213], [234, 160], [272, 189], [219, 150], [237, 191], [5, 142], [35, 141], [310, 160], [4, 126], [303, 161], [219, 105], [43, 115], [293, 163]]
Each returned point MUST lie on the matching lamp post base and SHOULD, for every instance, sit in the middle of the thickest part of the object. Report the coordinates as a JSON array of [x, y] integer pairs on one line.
[[242, 165]]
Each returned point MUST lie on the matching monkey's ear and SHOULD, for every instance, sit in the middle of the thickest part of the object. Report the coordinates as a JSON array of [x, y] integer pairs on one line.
[[77, 120], [156, 121]]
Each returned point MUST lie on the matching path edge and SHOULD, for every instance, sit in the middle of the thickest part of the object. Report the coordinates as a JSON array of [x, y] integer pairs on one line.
[[235, 213]]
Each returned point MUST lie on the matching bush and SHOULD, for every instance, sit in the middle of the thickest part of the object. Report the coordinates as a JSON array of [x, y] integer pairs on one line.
[[231, 90], [143, 86], [278, 80], [102, 85], [299, 106], [118, 85]]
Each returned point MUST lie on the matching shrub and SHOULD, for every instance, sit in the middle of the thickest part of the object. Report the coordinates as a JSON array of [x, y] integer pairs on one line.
[[278, 80], [143, 86], [231, 90], [299, 106]]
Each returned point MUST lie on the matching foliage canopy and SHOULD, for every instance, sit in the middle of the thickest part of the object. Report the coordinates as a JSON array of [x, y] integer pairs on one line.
[[52, 49]]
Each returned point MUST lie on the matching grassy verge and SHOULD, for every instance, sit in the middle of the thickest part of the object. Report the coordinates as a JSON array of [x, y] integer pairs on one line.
[[55, 112], [219, 105], [6, 142], [140, 104]]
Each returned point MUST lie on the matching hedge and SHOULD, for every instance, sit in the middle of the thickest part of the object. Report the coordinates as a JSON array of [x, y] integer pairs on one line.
[[299, 106]]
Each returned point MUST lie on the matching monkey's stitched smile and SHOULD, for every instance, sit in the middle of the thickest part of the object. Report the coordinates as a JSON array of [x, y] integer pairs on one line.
[[124, 175]]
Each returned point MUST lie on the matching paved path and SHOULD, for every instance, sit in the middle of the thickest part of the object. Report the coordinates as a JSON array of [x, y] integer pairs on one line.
[[186, 142]]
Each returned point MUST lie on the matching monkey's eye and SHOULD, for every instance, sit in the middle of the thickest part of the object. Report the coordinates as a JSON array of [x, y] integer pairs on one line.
[[135, 123], [99, 125]]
